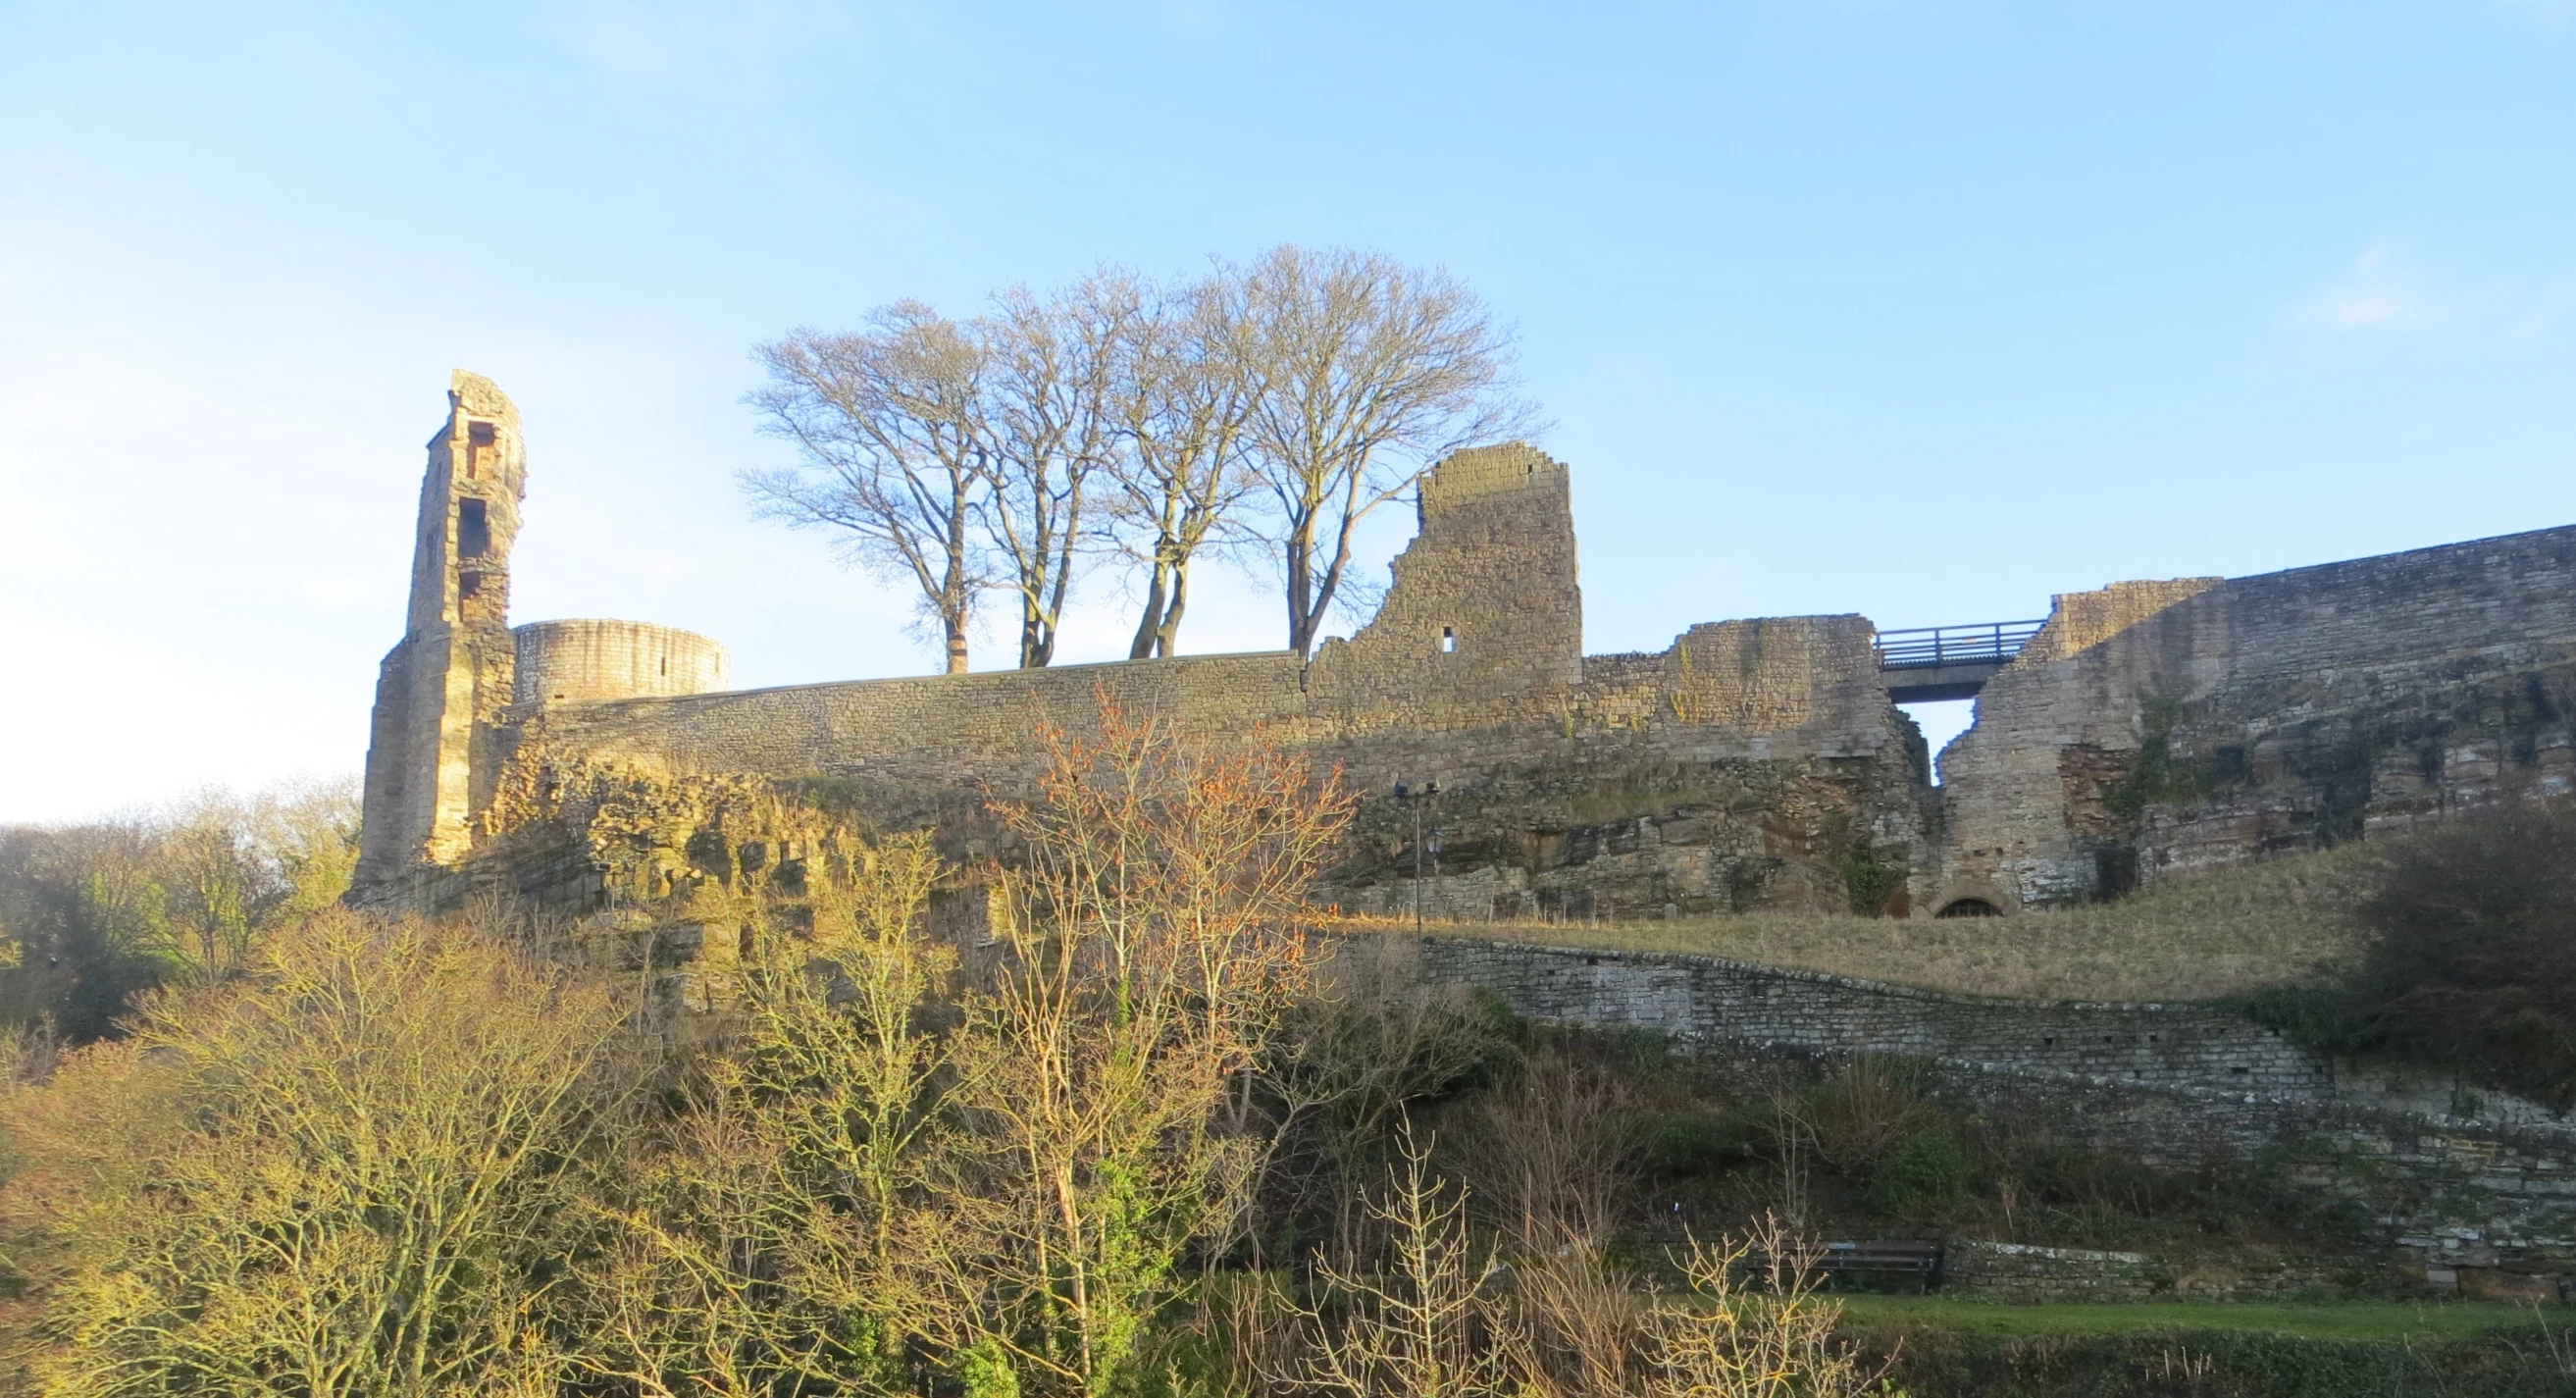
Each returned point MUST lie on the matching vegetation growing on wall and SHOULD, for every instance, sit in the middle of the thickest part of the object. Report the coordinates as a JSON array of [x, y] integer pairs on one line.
[[1870, 879], [2155, 777]]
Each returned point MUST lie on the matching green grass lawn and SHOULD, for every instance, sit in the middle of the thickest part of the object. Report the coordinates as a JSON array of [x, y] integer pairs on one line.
[[2322, 1320]]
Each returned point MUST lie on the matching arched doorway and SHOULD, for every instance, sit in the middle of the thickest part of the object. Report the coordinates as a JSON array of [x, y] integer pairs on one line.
[[1969, 907]]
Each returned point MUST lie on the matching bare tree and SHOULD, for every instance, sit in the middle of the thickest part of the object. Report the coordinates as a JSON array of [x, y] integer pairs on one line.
[[1180, 482], [1365, 371], [897, 452], [1051, 379]]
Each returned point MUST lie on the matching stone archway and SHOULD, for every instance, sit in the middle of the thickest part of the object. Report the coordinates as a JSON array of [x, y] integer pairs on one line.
[[1969, 907]]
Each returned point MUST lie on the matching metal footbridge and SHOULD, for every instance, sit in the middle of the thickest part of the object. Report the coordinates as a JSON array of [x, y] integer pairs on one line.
[[1948, 662]]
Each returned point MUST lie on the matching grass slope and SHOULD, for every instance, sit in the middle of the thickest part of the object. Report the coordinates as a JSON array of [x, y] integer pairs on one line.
[[2267, 923]]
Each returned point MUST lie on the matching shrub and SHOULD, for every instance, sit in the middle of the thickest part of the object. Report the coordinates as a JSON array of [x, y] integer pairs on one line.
[[1923, 1172], [1871, 1102], [2320, 1017], [2471, 957], [350, 1169], [911, 1176]]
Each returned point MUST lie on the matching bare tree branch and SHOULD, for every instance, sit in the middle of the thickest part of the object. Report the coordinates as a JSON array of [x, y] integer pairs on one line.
[[1051, 383], [1364, 371], [897, 451], [1180, 481]]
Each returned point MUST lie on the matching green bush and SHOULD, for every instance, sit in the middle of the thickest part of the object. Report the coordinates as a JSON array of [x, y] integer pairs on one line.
[[1694, 1141], [1924, 1172], [2320, 1017]]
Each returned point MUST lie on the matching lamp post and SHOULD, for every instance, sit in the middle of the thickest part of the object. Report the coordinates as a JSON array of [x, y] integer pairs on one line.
[[1412, 799]]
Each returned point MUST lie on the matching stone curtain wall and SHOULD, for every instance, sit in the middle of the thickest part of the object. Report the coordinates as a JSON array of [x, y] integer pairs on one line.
[[2156, 729], [1732, 770], [1494, 566], [905, 745]]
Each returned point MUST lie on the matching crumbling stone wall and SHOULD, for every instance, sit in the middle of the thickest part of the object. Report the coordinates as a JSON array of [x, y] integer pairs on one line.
[[2153, 730], [1484, 620]]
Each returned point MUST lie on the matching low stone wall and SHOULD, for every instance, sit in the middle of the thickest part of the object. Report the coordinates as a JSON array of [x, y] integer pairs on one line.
[[2026, 1274], [1706, 998], [2020, 1272]]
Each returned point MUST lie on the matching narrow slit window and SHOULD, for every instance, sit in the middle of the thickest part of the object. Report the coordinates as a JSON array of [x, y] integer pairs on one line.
[[1448, 640], [479, 438], [666, 665], [473, 529]]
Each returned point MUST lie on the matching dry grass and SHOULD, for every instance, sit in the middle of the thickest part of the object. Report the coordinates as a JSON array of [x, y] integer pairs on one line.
[[2263, 924]]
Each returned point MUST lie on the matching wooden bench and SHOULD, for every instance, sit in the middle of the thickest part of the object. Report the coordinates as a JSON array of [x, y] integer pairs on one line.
[[1918, 1262]]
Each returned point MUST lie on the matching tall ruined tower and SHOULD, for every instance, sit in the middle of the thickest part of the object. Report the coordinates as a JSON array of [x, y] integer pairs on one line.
[[443, 684]]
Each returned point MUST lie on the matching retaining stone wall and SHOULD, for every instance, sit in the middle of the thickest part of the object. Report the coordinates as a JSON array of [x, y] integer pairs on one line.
[[1706, 998]]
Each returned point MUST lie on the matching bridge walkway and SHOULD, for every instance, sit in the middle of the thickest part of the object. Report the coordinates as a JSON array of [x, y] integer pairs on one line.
[[1926, 663]]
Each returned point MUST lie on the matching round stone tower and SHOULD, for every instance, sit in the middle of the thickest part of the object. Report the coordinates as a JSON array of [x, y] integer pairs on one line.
[[571, 662]]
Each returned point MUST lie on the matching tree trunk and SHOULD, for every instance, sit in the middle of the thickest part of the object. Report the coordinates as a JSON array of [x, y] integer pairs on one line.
[[955, 627], [1149, 627], [1037, 644], [1167, 635], [1301, 583]]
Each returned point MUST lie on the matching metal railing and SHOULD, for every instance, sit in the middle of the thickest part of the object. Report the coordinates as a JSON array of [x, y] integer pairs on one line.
[[1930, 647]]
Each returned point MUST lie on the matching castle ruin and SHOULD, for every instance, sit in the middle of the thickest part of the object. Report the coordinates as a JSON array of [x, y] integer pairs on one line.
[[2147, 730]]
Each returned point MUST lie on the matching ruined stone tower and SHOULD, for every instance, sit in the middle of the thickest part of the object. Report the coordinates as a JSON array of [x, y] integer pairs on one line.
[[454, 695], [442, 686]]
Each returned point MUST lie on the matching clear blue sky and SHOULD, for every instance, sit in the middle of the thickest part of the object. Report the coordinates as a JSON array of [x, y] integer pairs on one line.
[[1920, 310]]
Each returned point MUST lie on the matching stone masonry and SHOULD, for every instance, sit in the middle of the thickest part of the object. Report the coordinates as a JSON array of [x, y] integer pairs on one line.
[[2153, 730]]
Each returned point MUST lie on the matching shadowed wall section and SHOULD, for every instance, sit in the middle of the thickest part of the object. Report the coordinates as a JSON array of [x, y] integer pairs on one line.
[[2157, 729]]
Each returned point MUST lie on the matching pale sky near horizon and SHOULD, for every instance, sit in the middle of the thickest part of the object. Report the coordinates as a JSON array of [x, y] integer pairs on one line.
[[1924, 311]]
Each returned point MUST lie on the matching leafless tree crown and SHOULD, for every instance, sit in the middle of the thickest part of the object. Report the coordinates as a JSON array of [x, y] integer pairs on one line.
[[890, 425], [1279, 401], [1365, 371]]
